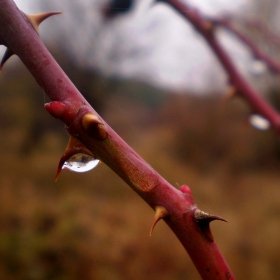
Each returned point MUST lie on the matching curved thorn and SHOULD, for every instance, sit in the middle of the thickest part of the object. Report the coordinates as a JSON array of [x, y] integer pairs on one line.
[[161, 213], [59, 169], [8, 53], [74, 146], [201, 216], [37, 19], [231, 92], [203, 219]]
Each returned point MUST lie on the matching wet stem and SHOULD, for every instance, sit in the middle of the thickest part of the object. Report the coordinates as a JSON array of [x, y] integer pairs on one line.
[[91, 135]]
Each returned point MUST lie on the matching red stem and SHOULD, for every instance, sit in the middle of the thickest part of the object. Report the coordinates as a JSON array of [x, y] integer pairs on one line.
[[257, 53], [21, 38]]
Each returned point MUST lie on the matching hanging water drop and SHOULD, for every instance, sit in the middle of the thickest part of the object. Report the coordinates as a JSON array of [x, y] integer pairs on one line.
[[80, 163], [258, 67], [259, 122]]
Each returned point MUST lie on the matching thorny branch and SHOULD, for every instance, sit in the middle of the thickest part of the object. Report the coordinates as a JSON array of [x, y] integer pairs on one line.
[[91, 135]]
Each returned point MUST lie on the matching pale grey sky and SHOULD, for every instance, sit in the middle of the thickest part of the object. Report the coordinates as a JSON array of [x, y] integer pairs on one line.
[[179, 58]]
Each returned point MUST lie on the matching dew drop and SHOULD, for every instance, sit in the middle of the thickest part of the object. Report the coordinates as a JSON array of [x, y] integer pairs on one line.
[[80, 163], [258, 67], [259, 122]]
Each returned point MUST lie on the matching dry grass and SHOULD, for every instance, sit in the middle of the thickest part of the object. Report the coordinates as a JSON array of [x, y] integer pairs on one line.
[[92, 226]]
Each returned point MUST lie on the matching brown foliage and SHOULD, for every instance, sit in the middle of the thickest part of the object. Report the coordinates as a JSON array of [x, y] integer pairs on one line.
[[92, 226]]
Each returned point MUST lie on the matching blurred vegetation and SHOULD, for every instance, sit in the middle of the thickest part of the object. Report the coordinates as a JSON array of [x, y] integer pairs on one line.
[[91, 225]]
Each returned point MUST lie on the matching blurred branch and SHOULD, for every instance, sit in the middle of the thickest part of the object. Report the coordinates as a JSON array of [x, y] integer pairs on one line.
[[206, 28], [92, 136], [257, 53], [262, 28]]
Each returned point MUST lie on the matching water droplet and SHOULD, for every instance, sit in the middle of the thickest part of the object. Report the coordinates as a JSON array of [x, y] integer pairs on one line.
[[259, 122], [80, 163], [258, 67]]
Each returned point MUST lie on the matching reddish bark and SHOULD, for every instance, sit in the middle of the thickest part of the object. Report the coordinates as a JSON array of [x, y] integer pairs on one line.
[[256, 52], [190, 225]]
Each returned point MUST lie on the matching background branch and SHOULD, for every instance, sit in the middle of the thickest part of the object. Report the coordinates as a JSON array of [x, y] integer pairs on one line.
[[207, 29], [256, 52]]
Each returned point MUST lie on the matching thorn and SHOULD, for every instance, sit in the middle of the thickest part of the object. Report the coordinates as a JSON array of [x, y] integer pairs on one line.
[[231, 92], [74, 146], [93, 125], [8, 53], [203, 219], [161, 213], [208, 25], [37, 19]]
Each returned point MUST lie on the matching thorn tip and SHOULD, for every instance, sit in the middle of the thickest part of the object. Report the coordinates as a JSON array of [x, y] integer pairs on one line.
[[8, 53], [74, 146], [201, 216], [161, 213], [203, 219], [37, 19]]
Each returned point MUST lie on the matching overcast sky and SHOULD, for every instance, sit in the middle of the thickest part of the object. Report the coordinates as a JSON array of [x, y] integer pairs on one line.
[[173, 54], [210, 6]]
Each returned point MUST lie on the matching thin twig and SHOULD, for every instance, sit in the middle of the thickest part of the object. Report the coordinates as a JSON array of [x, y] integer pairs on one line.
[[273, 65]]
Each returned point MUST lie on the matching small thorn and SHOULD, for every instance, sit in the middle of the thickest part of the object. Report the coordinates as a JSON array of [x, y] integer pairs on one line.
[[231, 92], [161, 213], [37, 19], [209, 26], [203, 219], [74, 146], [93, 125], [8, 53], [59, 169]]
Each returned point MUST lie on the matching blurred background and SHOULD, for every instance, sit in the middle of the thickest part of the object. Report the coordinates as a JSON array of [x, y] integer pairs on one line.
[[154, 80]]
